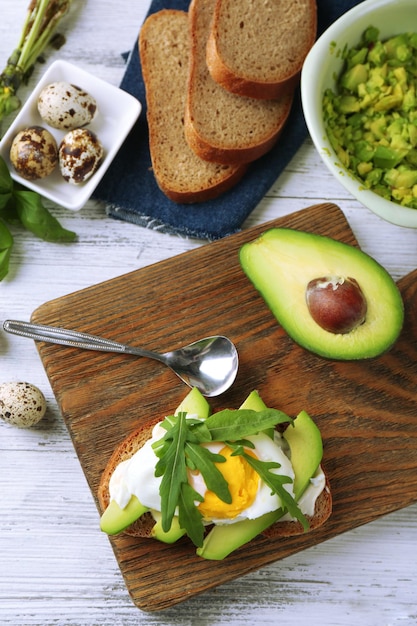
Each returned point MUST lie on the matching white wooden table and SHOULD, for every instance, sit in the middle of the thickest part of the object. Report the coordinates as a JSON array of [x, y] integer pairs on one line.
[[56, 567]]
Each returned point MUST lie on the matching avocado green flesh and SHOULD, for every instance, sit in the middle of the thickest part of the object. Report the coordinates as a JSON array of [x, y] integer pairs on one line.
[[170, 536], [306, 446], [194, 402], [371, 115], [115, 519], [281, 263], [254, 402], [222, 540]]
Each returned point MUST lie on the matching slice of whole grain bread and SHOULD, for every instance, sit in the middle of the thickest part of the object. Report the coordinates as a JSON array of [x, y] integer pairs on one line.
[[164, 49], [221, 126], [257, 49]]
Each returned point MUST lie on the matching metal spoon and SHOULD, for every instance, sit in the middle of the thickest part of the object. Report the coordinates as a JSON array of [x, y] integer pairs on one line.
[[209, 364]]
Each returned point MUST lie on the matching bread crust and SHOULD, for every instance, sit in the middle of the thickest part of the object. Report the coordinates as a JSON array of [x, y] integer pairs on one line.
[[184, 177], [220, 126], [143, 526], [235, 79]]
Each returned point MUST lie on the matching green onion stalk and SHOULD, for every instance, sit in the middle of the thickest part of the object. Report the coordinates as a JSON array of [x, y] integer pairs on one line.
[[19, 206], [38, 29]]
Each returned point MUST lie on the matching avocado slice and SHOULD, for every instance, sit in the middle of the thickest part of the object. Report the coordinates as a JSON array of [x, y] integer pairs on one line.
[[170, 536], [194, 402], [282, 262], [306, 446], [222, 540], [254, 402], [116, 519]]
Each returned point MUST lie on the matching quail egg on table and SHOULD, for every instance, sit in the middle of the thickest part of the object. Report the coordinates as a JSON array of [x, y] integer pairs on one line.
[[66, 106], [21, 404], [80, 155], [34, 153]]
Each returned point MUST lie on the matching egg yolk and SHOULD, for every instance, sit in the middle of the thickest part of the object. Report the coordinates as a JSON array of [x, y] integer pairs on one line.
[[243, 485]]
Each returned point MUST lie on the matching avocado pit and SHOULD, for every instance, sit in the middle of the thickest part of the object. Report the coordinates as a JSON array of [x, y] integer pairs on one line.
[[336, 303]]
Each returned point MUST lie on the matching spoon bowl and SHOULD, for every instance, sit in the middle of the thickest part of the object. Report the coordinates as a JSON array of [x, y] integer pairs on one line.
[[210, 364]]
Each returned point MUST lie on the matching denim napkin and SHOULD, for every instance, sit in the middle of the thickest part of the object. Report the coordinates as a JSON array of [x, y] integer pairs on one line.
[[130, 192]]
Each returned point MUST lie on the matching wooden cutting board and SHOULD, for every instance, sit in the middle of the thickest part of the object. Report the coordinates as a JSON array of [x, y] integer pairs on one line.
[[366, 410]]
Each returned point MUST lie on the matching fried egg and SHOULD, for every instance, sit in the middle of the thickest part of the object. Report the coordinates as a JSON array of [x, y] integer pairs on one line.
[[251, 497]]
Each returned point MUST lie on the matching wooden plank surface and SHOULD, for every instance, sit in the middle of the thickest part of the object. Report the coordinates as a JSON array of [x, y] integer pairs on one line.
[[365, 410]]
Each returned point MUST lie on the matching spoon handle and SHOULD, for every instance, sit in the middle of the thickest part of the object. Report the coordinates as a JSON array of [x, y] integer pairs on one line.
[[73, 338]]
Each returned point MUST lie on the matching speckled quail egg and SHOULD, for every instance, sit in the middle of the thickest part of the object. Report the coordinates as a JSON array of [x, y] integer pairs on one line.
[[66, 106], [80, 155], [21, 404], [34, 153]]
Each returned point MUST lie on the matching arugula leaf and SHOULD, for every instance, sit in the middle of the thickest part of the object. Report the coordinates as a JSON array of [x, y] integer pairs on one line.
[[230, 425], [204, 460], [275, 481], [172, 467], [189, 517]]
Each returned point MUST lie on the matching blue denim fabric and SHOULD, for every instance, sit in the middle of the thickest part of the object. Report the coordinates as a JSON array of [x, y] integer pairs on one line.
[[129, 189]]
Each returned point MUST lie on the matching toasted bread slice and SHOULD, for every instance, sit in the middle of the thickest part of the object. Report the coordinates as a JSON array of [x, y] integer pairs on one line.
[[257, 49], [124, 451], [143, 526], [164, 48], [220, 126]]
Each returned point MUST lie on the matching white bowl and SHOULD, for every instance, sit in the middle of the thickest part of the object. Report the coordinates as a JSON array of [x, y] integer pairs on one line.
[[321, 67], [117, 112]]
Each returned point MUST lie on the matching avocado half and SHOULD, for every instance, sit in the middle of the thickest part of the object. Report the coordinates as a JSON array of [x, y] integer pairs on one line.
[[281, 263]]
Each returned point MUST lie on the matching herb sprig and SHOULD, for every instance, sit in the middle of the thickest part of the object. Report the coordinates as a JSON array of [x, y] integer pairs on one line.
[[20, 206], [42, 18], [179, 451]]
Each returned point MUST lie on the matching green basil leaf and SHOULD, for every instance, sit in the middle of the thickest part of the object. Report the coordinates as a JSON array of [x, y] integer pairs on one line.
[[6, 244], [36, 218], [4, 201], [9, 213], [6, 181]]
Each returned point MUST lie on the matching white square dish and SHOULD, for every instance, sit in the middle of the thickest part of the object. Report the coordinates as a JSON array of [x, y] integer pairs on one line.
[[117, 111]]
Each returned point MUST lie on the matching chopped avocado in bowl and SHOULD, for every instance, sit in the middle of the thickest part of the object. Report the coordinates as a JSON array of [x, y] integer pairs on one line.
[[359, 99], [371, 118]]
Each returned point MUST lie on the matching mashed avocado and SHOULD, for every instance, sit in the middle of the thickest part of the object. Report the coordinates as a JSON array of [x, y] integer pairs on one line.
[[371, 117]]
